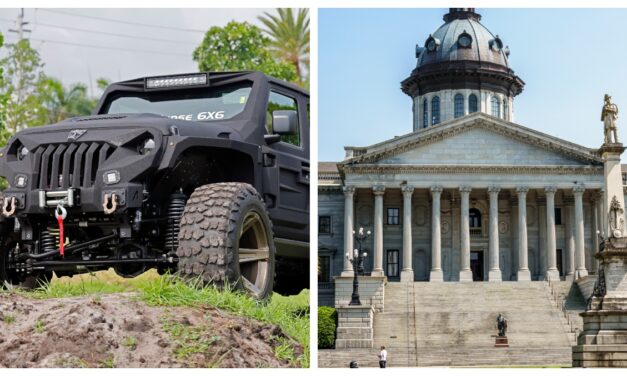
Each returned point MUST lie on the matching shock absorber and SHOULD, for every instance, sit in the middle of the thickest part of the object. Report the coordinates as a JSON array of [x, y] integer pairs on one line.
[[176, 206], [48, 239]]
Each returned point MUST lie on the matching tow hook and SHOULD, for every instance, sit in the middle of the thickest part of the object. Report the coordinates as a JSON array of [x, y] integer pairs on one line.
[[8, 206], [110, 203]]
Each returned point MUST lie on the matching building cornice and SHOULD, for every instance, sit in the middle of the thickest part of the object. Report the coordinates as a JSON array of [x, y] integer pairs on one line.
[[470, 169]]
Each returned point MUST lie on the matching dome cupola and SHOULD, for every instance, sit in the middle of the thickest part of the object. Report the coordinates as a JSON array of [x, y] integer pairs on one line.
[[461, 68]]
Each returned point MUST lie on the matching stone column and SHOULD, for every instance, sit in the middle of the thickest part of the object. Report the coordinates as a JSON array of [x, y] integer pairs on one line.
[[407, 274], [378, 231], [580, 257], [495, 270], [552, 274], [349, 191], [465, 274], [598, 209], [523, 257], [569, 267], [436, 240]]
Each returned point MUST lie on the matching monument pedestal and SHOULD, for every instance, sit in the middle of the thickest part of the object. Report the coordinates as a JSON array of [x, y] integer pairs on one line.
[[603, 341], [501, 341]]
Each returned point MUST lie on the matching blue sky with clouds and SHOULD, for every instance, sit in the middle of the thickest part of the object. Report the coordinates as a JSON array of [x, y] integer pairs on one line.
[[568, 59]]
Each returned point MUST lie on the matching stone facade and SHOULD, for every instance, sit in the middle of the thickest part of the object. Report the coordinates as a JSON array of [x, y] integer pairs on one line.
[[492, 168], [354, 327]]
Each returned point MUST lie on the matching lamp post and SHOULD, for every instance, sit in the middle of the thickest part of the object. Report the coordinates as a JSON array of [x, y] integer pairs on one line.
[[357, 259]]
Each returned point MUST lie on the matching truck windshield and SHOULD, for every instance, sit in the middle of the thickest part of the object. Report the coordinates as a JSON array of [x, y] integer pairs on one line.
[[193, 105]]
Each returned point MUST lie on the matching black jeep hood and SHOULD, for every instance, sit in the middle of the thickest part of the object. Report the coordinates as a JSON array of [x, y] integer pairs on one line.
[[117, 128]]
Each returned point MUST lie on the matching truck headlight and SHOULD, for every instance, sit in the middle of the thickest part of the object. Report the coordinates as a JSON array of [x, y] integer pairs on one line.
[[147, 147]]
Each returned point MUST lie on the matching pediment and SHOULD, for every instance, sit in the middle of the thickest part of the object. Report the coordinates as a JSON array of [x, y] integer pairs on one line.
[[477, 140]]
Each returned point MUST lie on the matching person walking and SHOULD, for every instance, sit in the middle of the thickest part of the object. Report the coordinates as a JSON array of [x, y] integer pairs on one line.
[[383, 357]]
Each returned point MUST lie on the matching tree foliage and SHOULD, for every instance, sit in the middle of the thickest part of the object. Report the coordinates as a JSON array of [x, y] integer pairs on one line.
[[289, 33], [327, 327], [61, 103], [21, 86], [240, 46]]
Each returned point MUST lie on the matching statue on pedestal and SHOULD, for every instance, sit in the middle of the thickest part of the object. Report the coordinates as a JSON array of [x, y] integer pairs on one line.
[[609, 114], [501, 324]]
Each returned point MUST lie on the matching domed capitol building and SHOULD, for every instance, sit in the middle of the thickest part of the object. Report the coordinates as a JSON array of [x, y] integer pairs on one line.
[[469, 197]]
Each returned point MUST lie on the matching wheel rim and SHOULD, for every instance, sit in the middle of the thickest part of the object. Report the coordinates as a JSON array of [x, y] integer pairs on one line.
[[254, 253]]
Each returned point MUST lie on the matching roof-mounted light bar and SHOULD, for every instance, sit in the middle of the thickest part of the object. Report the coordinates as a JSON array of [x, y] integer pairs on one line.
[[177, 81]]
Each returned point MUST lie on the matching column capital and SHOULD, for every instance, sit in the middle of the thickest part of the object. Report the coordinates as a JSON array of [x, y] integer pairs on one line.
[[465, 189], [378, 190], [407, 189], [349, 190], [578, 190], [600, 193], [437, 189], [494, 189], [551, 189], [522, 189]]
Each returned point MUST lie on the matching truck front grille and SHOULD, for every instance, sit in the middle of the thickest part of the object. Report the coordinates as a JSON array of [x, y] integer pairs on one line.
[[70, 165]]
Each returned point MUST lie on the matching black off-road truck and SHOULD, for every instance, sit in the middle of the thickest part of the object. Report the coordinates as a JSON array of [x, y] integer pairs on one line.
[[205, 174]]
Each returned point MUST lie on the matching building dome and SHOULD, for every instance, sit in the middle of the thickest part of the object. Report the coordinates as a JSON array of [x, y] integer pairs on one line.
[[464, 67], [462, 38]]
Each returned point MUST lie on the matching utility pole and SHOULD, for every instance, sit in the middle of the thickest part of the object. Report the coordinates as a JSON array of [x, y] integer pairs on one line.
[[19, 24], [19, 84]]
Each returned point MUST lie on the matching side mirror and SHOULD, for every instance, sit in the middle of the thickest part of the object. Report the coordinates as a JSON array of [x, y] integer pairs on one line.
[[285, 122]]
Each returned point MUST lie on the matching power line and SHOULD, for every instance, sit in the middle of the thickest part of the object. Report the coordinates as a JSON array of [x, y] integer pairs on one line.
[[105, 33], [109, 47], [122, 22]]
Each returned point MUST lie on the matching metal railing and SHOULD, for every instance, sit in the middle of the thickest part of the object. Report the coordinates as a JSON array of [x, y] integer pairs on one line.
[[561, 305]]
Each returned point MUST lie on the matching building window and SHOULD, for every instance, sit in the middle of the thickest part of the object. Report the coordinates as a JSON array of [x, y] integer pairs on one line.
[[505, 109], [324, 269], [324, 224], [425, 114], [472, 103], [393, 216], [558, 216], [459, 105], [496, 108], [624, 179], [474, 215], [435, 110], [393, 264]]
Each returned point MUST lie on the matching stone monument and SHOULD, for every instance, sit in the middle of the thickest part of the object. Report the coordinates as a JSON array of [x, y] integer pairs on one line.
[[603, 341], [501, 338]]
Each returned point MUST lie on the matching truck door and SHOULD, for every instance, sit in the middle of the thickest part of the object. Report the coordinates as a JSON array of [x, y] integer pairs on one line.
[[290, 212]]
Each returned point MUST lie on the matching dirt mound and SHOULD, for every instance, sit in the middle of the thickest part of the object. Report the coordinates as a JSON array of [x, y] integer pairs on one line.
[[121, 331]]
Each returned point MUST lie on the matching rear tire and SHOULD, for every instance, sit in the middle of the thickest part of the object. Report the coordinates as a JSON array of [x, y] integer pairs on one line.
[[226, 237]]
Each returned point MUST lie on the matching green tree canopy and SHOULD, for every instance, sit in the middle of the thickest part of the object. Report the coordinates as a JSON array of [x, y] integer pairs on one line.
[[61, 103], [289, 33], [241, 46]]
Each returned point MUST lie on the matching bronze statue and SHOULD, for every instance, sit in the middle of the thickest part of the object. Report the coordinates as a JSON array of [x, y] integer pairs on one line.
[[501, 323], [609, 114]]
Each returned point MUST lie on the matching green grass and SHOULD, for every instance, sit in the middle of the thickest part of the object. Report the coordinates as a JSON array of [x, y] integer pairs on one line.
[[188, 340], [9, 319], [40, 327], [290, 313], [130, 342]]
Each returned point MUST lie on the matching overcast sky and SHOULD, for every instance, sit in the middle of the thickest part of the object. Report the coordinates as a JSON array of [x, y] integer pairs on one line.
[[73, 63]]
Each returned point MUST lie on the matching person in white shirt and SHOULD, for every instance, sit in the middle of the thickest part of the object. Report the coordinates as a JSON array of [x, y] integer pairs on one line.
[[383, 357]]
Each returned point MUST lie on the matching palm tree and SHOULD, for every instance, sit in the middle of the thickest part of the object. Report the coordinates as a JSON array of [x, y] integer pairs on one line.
[[290, 37]]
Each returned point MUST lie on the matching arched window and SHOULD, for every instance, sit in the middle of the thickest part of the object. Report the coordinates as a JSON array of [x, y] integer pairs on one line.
[[496, 108], [475, 218], [458, 108], [505, 110], [435, 110], [425, 114], [472, 103]]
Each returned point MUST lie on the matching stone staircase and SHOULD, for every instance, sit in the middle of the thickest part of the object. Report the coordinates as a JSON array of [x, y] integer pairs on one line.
[[453, 324], [568, 299]]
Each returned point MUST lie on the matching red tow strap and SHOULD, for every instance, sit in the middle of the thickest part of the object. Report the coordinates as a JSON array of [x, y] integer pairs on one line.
[[61, 237], [60, 214]]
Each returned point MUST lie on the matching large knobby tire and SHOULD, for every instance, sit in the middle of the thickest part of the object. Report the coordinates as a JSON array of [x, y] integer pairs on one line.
[[226, 237]]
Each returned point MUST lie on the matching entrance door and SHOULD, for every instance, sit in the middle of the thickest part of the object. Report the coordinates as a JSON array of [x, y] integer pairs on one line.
[[558, 256], [393, 265], [476, 265]]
